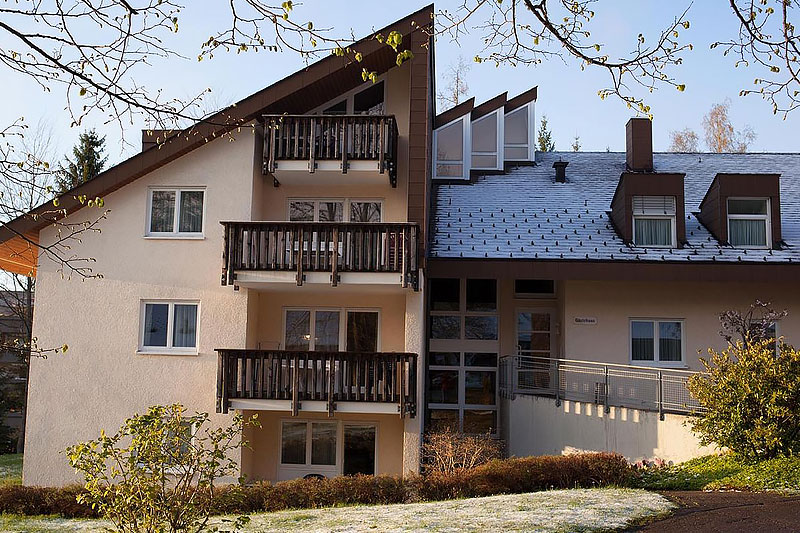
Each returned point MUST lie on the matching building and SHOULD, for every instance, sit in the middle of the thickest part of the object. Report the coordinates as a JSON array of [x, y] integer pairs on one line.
[[387, 269]]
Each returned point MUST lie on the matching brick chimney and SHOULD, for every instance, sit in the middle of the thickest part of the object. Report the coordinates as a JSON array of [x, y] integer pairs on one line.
[[639, 145], [561, 171]]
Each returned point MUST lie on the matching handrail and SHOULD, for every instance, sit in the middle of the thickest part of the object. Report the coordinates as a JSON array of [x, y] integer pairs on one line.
[[383, 377], [332, 247], [609, 384], [331, 138]]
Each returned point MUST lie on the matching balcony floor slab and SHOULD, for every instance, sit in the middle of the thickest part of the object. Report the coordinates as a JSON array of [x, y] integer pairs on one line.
[[316, 406]]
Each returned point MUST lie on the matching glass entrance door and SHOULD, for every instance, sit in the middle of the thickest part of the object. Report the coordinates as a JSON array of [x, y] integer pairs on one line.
[[536, 339]]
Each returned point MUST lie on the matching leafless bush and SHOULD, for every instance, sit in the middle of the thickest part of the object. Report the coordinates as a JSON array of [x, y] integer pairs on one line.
[[445, 450]]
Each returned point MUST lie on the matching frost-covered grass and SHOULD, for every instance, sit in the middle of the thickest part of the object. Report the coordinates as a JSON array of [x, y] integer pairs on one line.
[[11, 469], [580, 510], [718, 472]]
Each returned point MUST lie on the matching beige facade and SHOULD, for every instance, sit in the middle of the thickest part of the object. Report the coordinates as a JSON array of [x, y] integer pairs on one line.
[[103, 378]]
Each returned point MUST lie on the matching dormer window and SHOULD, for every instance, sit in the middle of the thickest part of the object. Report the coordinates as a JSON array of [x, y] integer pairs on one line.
[[487, 133], [518, 140], [449, 146], [748, 222], [654, 221]]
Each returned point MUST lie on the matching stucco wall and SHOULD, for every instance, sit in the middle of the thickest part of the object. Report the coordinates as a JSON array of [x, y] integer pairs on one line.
[[613, 304], [101, 379], [260, 461], [537, 426]]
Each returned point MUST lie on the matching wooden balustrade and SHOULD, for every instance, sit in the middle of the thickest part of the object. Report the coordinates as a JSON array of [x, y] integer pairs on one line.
[[383, 377], [333, 247], [341, 138]]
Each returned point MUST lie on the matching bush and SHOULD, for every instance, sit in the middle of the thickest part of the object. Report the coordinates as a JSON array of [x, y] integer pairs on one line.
[[159, 471], [446, 450], [507, 476], [723, 472], [751, 397]]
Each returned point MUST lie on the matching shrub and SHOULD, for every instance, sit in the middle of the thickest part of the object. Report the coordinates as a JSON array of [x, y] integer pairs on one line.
[[159, 471], [507, 476], [446, 450], [751, 396]]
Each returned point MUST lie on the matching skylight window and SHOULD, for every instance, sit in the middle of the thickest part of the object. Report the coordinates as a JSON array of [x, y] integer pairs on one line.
[[487, 133], [450, 146], [518, 137]]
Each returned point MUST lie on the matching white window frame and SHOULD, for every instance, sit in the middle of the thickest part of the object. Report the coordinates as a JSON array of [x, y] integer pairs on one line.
[[466, 149], [345, 205], [325, 470], [767, 218], [174, 234], [342, 324], [499, 150], [168, 349], [673, 224], [531, 145], [656, 362]]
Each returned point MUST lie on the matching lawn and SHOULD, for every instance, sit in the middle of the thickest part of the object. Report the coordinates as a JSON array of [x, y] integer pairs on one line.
[[725, 472], [11, 469], [579, 510]]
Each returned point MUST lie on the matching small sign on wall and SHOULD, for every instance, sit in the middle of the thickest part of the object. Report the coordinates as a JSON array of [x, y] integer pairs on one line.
[[585, 320]]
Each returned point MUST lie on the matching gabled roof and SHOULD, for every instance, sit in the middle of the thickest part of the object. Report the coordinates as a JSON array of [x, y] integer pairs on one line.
[[297, 93], [524, 214]]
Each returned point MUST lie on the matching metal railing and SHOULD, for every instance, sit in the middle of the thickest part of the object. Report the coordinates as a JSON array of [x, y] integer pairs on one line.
[[384, 377], [341, 138], [332, 247], [651, 389]]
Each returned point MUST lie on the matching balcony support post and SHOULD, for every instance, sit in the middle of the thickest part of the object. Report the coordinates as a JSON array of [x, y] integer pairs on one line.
[[312, 141], [331, 384], [300, 246], [295, 385], [343, 145], [335, 258]]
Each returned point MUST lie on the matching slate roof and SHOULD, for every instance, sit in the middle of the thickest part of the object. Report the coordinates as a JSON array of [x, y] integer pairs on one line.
[[525, 214]]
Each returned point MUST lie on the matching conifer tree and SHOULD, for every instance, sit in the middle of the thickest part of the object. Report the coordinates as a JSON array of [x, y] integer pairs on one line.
[[545, 137], [86, 163]]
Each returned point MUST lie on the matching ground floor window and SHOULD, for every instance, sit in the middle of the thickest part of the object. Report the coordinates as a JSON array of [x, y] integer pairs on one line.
[[657, 342], [326, 448]]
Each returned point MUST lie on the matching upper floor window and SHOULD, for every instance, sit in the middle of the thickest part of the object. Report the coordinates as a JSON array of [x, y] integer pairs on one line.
[[487, 142], [654, 221], [450, 146], [175, 212], [748, 222], [336, 210], [518, 137], [658, 342], [169, 326]]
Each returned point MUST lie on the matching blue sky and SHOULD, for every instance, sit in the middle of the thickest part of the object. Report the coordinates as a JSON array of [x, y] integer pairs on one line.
[[566, 95]]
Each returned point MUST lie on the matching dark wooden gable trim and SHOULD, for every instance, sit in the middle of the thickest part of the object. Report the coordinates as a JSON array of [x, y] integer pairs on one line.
[[488, 106], [714, 207], [453, 113], [646, 184], [522, 99]]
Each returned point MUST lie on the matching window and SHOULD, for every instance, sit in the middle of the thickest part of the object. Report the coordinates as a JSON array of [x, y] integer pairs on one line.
[[748, 222], [518, 139], [654, 221], [338, 210], [487, 142], [328, 448], [308, 443], [321, 330], [370, 100], [175, 212], [534, 288], [461, 381], [658, 342], [169, 326], [450, 144]]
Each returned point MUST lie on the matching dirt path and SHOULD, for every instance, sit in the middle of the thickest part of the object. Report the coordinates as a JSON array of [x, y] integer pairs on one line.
[[730, 512]]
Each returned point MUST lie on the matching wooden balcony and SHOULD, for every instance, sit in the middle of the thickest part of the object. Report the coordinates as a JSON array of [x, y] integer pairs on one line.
[[302, 380], [342, 142], [332, 248]]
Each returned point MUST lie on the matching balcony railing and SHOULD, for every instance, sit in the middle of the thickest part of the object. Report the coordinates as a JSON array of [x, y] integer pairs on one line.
[[383, 377], [341, 138], [333, 247], [650, 389]]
